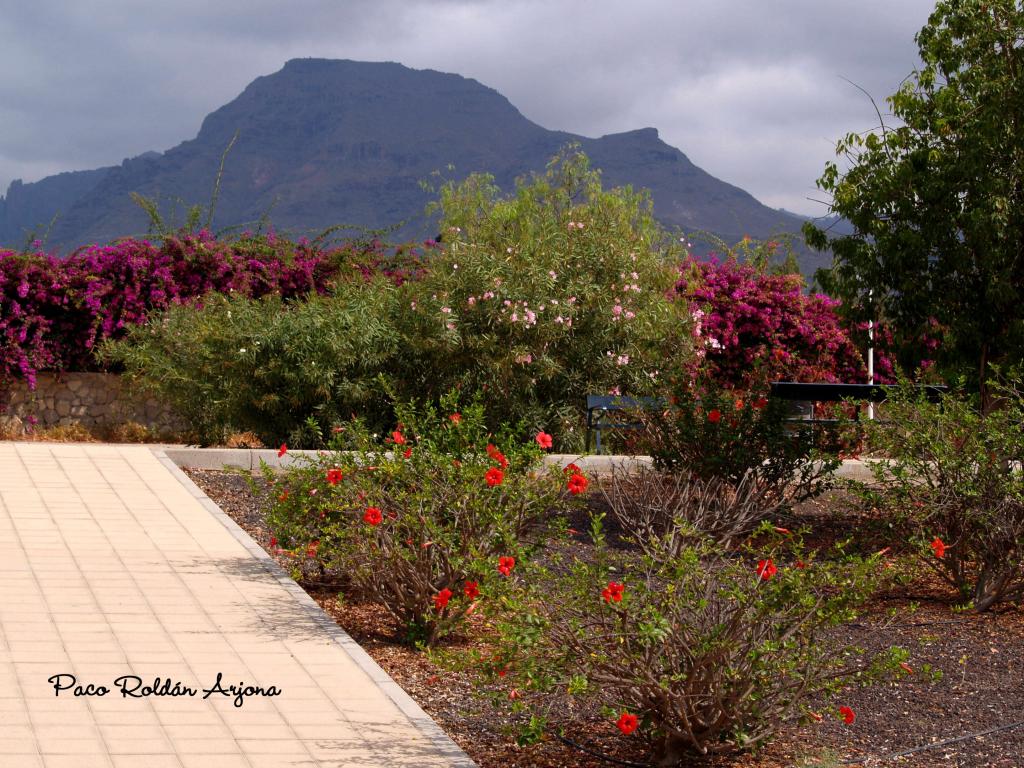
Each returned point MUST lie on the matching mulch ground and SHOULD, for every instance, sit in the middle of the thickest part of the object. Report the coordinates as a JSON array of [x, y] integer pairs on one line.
[[968, 674]]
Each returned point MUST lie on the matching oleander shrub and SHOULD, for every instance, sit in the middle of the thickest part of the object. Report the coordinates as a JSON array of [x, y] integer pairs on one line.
[[430, 522], [284, 371], [538, 298], [700, 650], [950, 482]]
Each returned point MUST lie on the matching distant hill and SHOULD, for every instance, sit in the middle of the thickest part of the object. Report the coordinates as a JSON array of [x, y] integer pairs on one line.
[[323, 142]]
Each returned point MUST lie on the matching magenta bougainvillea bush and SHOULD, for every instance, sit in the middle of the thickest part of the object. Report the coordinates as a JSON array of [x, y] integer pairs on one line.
[[751, 327], [54, 311]]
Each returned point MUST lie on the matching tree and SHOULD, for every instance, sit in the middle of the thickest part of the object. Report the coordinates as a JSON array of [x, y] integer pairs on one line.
[[937, 202]]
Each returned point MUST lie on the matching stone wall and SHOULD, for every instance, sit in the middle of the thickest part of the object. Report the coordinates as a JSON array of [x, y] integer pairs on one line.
[[94, 400]]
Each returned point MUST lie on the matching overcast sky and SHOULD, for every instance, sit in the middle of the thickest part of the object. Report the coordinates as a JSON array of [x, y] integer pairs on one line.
[[752, 91]]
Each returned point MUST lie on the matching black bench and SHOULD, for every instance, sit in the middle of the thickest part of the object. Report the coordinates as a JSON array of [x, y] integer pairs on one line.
[[599, 407], [835, 393]]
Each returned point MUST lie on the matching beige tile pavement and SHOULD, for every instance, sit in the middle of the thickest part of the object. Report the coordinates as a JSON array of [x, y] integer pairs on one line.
[[130, 591]]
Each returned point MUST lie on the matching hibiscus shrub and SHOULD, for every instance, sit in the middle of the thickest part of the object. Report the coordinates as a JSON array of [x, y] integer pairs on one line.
[[951, 483], [677, 508], [704, 651], [432, 525], [714, 432]]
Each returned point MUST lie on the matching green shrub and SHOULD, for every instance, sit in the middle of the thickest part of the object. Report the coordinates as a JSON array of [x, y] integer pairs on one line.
[[542, 297], [281, 370], [425, 528], [719, 433], [951, 483], [708, 651]]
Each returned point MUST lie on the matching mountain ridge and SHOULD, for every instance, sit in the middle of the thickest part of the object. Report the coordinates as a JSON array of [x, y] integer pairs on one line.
[[325, 141]]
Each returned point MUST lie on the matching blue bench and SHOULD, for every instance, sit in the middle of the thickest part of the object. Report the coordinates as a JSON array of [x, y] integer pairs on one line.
[[600, 407]]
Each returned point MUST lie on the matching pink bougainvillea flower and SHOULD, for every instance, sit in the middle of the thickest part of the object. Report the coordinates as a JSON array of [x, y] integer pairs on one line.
[[613, 592], [543, 440], [628, 723], [766, 569], [714, 416], [494, 476], [577, 484], [334, 476], [471, 590], [282, 450], [938, 547], [441, 599], [397, 438], [847, 714], [455, 418], [372, 516], [505, 565]]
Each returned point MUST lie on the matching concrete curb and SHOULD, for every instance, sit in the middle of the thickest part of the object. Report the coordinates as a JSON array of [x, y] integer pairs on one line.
[[174, 459], [252, 459]]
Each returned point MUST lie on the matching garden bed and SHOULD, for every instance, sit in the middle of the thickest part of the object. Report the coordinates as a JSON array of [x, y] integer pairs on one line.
[[981, 685]]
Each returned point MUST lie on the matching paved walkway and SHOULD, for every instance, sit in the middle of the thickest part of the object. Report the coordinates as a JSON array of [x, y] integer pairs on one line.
[[113, 564]]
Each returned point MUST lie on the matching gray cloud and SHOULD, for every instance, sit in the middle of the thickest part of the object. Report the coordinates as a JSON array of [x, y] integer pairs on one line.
[[751, 92]]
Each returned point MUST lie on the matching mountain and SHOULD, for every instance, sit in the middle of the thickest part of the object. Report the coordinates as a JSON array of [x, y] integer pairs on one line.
[[323, 142]]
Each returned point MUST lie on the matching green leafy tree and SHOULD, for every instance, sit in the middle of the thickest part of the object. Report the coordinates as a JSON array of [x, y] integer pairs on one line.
[[937, 202]]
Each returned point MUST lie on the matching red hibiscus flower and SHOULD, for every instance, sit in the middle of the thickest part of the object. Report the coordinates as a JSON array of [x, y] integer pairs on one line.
[[494, 477], [628, 723], [505, 565], [273, 542], [847, 714], [760, 403], [334, 476], [543, 440], [408, 452], [939, 548], [441, 599], [284, 496], [455, 418], [282, 450], [572, 469], [613, 592], [471, 590], [312, 548], [372, 516], [398, 438], [766, 569], [738, 405], [715, 416], [577, 484]]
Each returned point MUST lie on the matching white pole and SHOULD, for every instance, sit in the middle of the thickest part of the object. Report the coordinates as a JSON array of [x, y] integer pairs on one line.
[[871, 362]]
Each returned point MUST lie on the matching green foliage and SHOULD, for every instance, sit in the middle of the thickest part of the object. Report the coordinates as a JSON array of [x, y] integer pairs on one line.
[[952, 484], [541, 297], [937, 202], [267, 366], [712, 651], [421, 529], [719, 433]]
